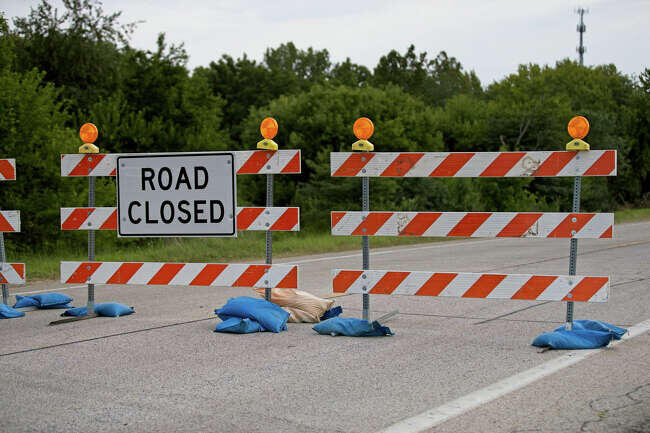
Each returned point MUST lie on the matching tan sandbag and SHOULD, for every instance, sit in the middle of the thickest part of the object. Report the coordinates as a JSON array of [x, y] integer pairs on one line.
[[302, 306], [299, 316]]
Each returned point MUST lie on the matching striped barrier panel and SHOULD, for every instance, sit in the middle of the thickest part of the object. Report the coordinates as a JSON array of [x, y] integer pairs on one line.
[[9, 221], [12, 273], [248, 218], [473, 224], [268, 218], [472, 285], [246, 162], [183, 274], [473, 164], [7, 169]]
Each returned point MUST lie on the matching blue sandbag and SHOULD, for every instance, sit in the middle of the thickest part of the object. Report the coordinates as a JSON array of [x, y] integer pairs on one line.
[[237, 325], [270, 316], [113, 309], [332, 312], [6, 312], [44, 300], [25, 301], [106, 309], [586, 334], [51, 299], [54, 306], [351, 327], [76, 312]]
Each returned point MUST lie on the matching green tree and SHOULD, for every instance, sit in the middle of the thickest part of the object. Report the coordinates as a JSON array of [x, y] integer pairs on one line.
[[77, 49], [319, 122], [32, 131], [434, 80], [530, 111], [159, 107], [349, 74]]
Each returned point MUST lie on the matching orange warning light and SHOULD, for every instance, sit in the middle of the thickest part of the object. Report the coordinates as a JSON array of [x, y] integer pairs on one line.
[[88, 133], [363, 128], [269, 128], [578, 127]]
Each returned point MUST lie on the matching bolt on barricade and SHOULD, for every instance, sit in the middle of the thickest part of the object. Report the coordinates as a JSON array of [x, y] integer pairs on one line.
[[158, 180], [576, 161]]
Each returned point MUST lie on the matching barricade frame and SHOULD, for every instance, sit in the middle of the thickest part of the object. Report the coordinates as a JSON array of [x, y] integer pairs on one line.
[[265, 160], [574, 162], [10, 273]]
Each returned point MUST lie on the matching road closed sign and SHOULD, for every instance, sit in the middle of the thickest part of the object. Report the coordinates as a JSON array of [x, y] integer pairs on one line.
[[176, 195]]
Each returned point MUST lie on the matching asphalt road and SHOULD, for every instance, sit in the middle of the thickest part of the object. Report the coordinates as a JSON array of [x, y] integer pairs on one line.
[[164, 370]]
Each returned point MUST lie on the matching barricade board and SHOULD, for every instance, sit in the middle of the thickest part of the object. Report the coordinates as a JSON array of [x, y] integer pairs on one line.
[[9, 221], [473, 224], [176, 195], [248, 218], [473, 285], [268, 218], [246, 162], [473, 164], [12, 273], [180, 274], [8, 169]]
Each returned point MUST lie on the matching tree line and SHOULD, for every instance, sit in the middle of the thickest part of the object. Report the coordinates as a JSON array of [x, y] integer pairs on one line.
[[60, 69]]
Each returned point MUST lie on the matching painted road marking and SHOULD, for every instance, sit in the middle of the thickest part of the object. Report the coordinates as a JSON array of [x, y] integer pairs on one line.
[[454, 408]]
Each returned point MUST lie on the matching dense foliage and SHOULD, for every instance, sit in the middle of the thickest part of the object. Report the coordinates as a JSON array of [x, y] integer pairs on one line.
[[59, 69]]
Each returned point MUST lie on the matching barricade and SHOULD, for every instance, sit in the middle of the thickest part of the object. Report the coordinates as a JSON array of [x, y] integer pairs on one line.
[[266, 160], [10, 273], [576, 161]]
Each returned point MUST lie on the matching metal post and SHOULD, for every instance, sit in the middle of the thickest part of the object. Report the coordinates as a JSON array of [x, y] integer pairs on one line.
[[5, 292], [577, 184], [365, 205], [91, 246], [269, 233]]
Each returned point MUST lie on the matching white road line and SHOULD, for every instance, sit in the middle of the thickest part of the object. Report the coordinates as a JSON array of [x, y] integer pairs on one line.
[[440, 414], [379, 253]]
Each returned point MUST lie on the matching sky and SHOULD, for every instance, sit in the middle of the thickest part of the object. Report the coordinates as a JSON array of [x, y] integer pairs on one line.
[[490, 37]]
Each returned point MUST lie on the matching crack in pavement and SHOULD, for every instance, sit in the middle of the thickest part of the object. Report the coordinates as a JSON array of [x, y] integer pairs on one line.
[[611, 408]]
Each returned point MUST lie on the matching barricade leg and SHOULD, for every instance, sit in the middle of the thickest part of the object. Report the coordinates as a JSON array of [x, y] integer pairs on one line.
[[365, 203], [5, 291], [269, 233], [91, 246], [573, 253]]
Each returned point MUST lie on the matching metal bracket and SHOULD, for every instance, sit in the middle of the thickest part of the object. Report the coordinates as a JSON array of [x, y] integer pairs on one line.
[[73, 319], [363, 145], [267, 144], [577, 144], [88, 148]]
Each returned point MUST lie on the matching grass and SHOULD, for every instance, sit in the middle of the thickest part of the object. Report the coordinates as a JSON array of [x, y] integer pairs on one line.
[[248, 246], [632, 215]]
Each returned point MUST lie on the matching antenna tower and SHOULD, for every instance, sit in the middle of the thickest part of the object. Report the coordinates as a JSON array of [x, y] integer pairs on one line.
[[581, 29]]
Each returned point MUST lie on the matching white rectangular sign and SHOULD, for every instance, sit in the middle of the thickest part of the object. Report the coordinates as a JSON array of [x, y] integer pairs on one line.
[[176, 195]]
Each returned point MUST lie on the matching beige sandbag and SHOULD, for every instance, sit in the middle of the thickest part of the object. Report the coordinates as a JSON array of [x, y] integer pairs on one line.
[[302, 306], [298, 316]]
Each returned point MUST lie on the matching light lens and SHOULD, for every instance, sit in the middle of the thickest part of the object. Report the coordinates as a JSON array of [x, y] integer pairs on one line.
[[578, 127], [363, 128], [88, 133], [269, 128]]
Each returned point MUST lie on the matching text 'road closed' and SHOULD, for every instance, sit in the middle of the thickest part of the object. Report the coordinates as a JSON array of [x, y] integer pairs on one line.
[[176, 195]]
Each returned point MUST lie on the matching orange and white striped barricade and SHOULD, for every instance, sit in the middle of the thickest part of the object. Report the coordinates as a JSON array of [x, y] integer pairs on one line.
[[248, 218], [181, 274], [10, 273], [577, 162], [265, 160]]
